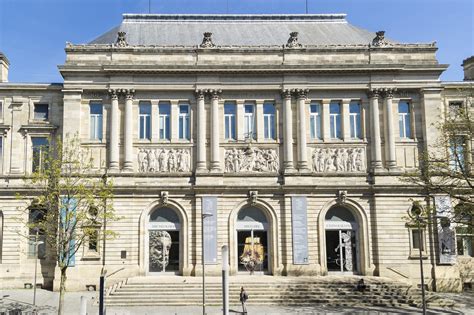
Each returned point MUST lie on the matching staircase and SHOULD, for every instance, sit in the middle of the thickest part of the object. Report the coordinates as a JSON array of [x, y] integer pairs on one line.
[[267, 290]]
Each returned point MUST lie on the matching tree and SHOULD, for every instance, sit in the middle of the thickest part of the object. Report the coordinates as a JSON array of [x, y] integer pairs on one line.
[[70, 201], [446, 167]]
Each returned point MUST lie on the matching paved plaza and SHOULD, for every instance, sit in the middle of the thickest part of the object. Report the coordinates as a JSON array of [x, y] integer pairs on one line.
[[47, 302]]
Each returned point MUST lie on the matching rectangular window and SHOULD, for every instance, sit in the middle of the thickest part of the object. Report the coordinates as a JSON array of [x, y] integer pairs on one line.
[[95, 115], [184, 122], [315, 120], [144, 123], [41, 112], [417, 240], [335, 119], [249, 121], [456, 153], [354, 118], [464, 244], [1, 110], [229, 120], [40, 149], [404, 119], [93, 241], [269, 121], [164, 117], [455, 109], [36, 237]]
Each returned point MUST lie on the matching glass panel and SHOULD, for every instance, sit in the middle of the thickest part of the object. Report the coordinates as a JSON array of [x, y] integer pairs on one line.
[[95, 121], [184, 127], [41, 112], [40, 147], [96, 109], [145, 109], [164, 111], [416, 239], [229, 120]]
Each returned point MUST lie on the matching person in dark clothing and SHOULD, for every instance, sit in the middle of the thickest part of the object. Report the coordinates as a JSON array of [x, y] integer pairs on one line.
[[243, 298]]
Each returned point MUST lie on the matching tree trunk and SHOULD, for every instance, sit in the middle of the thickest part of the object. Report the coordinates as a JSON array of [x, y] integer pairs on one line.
[[62, 291]]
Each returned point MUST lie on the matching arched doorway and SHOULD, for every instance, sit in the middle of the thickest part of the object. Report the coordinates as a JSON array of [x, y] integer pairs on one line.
[[253, 239], [342, 241], [165, 237]]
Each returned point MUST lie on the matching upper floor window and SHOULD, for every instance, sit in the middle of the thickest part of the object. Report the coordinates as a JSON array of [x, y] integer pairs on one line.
[[184, 122], [229, 120], [40, 150], [354, 118], [335, 120], [41, 112], [1, 110], [315, 120], [455, 108], [164, 117], [144, 117], [404, 119], [36, 237], [249, 121], [269, 121], [96, 121], [456, 153]]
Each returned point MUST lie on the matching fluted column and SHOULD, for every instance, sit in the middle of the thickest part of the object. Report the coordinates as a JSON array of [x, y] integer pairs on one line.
[[128, 134], [301, 95], [375, 124], [391, 161], [114, 131], [288, 131], [215, 133], [201, 132]]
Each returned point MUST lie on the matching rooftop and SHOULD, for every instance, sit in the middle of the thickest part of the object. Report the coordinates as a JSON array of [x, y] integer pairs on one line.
[[237, 30]]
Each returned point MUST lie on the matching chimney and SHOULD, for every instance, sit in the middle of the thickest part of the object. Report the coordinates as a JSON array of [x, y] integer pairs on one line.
[[468, 65], [4, 64]]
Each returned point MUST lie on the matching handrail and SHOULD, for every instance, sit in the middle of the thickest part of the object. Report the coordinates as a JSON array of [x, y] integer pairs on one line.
[[398, 272]]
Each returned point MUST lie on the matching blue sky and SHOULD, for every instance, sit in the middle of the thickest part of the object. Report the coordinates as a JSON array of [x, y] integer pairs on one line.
[[33, 33]]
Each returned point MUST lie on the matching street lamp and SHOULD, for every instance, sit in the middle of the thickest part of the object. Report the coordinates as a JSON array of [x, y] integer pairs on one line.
[[37, 243], [103, 271], [203, 216], [418, 220]]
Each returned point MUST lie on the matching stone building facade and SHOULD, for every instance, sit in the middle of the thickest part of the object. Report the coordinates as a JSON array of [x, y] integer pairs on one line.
[[286, 135]]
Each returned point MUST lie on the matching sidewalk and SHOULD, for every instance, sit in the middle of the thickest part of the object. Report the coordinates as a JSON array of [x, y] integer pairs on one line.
[[49, 300]]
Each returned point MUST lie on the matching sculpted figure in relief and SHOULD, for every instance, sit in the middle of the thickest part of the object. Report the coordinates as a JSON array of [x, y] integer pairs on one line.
[[251, 160], [162, 160], [142, 161], [338, 160]]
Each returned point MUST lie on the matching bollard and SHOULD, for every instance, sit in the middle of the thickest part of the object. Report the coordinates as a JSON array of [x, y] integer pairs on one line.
[[83, 310], [225, 280]]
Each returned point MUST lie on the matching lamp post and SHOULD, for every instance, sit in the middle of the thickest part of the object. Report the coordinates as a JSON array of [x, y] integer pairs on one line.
[[225, 280], [420, 240], [103, 272], [37, 243], [203, 216]]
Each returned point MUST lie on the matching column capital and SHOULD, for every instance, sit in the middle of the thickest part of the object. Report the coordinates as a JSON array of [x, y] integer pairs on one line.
[[200, 93], [388, 92], [214, 93], [285, 93], [373, 93], [129, 93], [301, 93], [114, 93]]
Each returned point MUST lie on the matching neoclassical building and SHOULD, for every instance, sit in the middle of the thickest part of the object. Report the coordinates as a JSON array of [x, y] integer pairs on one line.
[[286, 135]]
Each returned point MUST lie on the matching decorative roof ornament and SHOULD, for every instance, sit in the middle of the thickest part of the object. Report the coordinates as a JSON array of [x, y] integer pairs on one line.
[[121, 40], [293, 41], [379, 40], [207, 41]]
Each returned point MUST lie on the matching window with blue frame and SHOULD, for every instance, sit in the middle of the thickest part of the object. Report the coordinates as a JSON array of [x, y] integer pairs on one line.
[[249, 121], [184, 122], [164, 110], [335, 120], [315, 120], [354, 119], [457, 153], [95, 119], [269, 121], [229, 120], [404, 119], [40, 150], [144, 120]]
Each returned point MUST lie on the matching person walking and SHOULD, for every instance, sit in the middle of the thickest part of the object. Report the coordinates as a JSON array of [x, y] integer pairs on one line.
[[243, 298]]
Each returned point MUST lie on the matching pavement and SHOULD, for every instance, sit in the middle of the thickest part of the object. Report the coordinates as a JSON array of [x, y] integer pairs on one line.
[[47, 302]]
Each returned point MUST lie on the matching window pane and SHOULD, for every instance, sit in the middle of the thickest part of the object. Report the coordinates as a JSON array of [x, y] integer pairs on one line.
[[183, 122], [229, 109], [41, 112], [145, 109], [268, 108], [354, 108], [96, 109], [403, 107], [40, 146], [229, 120], [335, 108], [95, 121], [416, 239], [164, 111], [145, 121]]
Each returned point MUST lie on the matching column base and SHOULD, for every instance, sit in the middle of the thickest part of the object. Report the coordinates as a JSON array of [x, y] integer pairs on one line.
[[289, 170], [215, 167], [303, 167], [114, 165], [376, 164], [391, 165], [215, 170], [128, 166]]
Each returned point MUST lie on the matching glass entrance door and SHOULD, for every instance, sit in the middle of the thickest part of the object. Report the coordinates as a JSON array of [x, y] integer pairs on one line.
[[252, 249], [163, 251], [341, 251]]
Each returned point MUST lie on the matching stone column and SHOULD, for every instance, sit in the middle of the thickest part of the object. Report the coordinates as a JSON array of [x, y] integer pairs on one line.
[[375, 128], [114, 131], [215, 133], [128, 133], [391, 160], [201, 132], [288, 131], [301, 95]]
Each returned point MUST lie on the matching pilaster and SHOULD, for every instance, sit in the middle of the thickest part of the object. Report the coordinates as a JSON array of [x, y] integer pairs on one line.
[[301, 95], [114, 131], [128, 133], [215, 131], [201, 132], [375, 129], [288, 132], [391, 161]]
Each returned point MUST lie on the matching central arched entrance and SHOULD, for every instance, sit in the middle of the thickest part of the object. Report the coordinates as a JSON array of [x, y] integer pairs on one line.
[[342, 241], [252, 229], [164, 241]]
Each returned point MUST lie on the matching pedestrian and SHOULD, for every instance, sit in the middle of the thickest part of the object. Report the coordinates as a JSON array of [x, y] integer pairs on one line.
[[243, 298]]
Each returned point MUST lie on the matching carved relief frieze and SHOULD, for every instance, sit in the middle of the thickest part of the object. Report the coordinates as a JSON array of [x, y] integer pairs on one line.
[[338, 160], [164, 160], [251, 160]]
